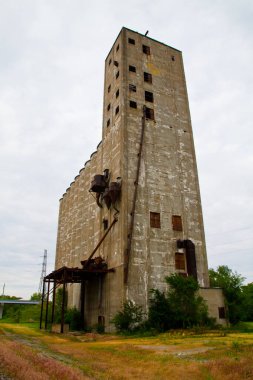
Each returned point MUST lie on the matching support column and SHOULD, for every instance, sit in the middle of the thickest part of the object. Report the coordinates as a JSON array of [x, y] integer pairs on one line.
[[42, 303]]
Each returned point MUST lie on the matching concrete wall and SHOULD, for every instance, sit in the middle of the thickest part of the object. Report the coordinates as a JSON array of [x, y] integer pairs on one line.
[[215, 299], [168, 181]]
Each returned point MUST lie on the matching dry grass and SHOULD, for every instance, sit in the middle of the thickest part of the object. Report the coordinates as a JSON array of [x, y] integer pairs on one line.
[[167, 356]]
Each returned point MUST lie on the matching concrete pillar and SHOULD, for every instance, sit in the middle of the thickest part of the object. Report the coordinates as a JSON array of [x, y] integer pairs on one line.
[[1, 310]]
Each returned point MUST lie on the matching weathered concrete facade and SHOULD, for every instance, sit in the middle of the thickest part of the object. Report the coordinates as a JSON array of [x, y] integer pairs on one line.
[[168, 233]]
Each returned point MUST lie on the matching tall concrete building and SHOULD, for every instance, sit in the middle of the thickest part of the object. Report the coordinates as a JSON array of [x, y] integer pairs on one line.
[[133, 214]]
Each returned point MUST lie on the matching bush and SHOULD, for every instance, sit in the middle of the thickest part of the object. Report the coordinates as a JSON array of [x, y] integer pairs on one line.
[[129, 318], [73, 317]]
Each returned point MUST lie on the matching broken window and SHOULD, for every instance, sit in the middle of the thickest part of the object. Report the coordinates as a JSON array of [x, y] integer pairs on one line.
[[180, 261], [147, 77], [109, 106], [131, 41], [146, 49], [155, 220], [117, 93], [105, 223], [109, 88], [149, 96], [108, 122], [133, 104], [116, 63], [132, 68], [149, 113], [117, 75], [117, 110], [132, 87], [177, 223], [172, 58]]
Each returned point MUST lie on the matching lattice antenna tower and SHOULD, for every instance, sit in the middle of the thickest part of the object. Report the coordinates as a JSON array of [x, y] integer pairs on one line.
[[43, 271]]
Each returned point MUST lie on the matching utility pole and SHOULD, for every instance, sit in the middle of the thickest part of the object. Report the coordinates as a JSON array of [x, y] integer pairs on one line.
[[43, 271]]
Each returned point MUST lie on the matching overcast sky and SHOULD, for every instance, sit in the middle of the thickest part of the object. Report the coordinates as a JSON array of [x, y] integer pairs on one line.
[[52, 56]]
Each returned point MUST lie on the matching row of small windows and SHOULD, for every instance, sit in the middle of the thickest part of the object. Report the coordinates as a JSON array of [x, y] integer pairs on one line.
[[149, 113], [146, 76], [155, 221]]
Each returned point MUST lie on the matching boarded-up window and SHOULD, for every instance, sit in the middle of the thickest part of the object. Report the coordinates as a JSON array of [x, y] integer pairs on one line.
[[222, 314], [149, 113], [147, 77], [155, 220], [177, 223], [180, 261]]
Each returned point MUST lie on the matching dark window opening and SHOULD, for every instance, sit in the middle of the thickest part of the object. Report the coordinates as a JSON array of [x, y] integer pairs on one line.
[[117, 48], [177, 223], [108, 122], [149, 96], [101, 321], [117, 110], [222, 314], [110, 61], [149, 113], [131, 41], [116, 63], [172, 58], [155, 220], [180, 261], [148, 77], [117, 75], [132, 68], [132, 87], [146, 49], [117, 93], [105, 223], [109, 106], [109, 88], [133, 104]]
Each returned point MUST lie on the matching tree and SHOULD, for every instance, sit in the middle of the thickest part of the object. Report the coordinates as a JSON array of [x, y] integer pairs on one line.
[[35, 297], [128, 318], [231, 283], [180, 307], [247, 302]]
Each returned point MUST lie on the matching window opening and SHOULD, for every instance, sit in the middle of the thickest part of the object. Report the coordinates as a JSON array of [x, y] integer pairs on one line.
[[177, 223], [222, 314], [110, 61], [117, 75], [149, 112], [105, 223], [146, 49], [117, 93], [109, 106], [180, 261], [108, 122], [149, 96], [117, 110], [172, 58], [109, 88], [117, 48], [147, 77], [133, 104], [131, 41], [132, 87], [116, 63], [132, 69], [155, 220]]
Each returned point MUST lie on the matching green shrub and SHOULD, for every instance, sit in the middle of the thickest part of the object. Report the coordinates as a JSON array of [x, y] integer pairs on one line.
[[74, 318], [129, 318]]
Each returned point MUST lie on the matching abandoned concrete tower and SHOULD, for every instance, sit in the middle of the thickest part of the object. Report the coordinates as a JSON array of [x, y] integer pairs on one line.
[[133, 214]]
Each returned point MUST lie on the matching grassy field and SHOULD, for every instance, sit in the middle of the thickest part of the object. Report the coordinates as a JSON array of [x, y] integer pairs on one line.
[[29, 353]]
